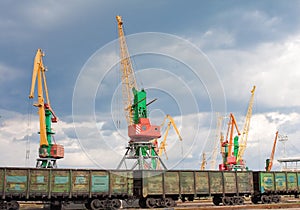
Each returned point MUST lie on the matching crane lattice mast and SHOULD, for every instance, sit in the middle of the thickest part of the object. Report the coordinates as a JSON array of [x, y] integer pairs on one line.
[[128, 77], [244, 136]]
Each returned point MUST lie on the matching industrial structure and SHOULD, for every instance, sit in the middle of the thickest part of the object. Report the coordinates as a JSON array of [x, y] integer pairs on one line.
[[230, 146], [140, 149], [244, 137], [49, 151], [269, 162], [218, 141], [233, 149]]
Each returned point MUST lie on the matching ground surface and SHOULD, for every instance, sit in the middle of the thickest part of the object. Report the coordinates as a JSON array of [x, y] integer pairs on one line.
[[287, 203]]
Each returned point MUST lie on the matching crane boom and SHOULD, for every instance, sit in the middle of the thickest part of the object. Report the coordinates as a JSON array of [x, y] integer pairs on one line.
[[244, 136], [38, 74], [270, 161], [203, 163], [217, 140], [128, 77], [231, 125], [134, 100], [162, 146]]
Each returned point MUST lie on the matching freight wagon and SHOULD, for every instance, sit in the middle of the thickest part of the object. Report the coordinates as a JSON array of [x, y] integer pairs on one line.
[[162, 189], [101, 189], [268, 186], [95, 188]]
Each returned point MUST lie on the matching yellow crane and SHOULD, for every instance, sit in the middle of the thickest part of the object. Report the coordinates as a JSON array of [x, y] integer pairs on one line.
[[203, 163], [269, 162], [162, 147], [244, 135], [48, 152], [128, 77], [217, 144]]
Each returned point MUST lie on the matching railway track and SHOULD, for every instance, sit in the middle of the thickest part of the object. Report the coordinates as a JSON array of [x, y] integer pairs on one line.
[[287, 203]]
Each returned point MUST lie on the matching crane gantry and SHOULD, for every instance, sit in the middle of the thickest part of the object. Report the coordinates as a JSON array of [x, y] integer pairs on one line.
[[48, 151]]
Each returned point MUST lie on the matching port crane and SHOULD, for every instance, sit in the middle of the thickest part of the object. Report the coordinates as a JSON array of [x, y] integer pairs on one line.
[[203, 163], [269, 162], [162, 147], [49, 151], [244, 136], [140, 130], [218, 141], [229, 147]]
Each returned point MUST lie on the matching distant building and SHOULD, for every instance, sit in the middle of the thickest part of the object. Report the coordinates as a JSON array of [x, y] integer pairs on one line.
[[290, 163]]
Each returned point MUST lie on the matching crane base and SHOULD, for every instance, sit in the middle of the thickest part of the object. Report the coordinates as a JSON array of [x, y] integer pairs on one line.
[[46, 163], [141, 156]]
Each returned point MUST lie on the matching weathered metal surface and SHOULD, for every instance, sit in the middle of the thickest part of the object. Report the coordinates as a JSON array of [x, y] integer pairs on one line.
[[80, 181], [171, 182], [291, 181], [298, 175], [229, 182], [100, 182], [187, 182], [245, 182], [1, 181], [216, 182], [152, 183], [60, 181], [121, 182], [16, 180], [202, 183], [280, 181], [266, 181], [39, 181]]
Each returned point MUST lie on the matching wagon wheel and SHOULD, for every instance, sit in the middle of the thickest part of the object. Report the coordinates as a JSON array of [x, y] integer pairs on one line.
[[142, 203], [150, 203], [13, 205], [97, 204], [276, 199], [226, 201], [116, 203], [169, 202], [254, 199], [238, 200], [217, 200], [265, 199]]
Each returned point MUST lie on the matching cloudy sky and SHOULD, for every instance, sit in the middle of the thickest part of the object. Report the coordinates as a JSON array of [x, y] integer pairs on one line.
[[197, 58]]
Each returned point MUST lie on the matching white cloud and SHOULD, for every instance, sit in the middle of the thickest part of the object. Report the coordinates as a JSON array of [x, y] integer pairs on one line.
[[272, 67]]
